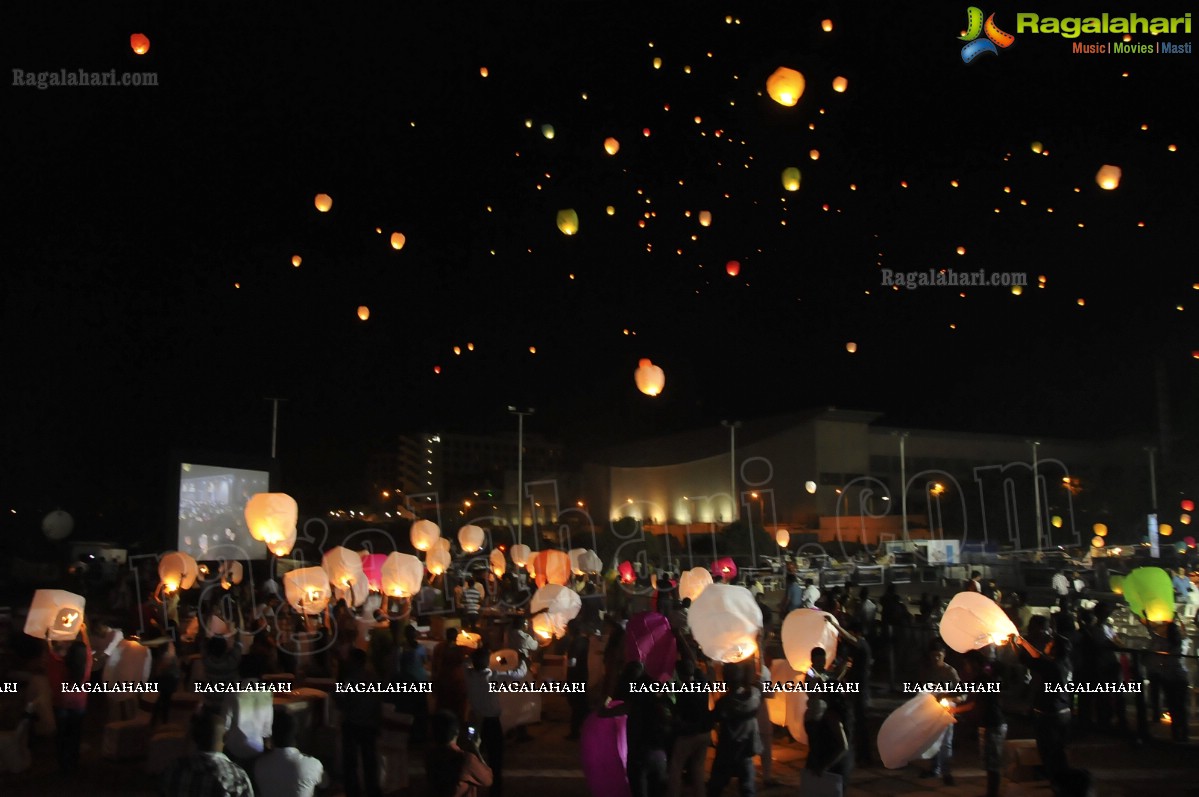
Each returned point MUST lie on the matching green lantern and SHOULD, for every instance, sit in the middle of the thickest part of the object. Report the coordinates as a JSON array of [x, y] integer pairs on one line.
[[1150, 594]]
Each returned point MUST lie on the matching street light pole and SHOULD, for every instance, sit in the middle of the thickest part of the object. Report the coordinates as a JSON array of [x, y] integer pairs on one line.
[[520, 467], [903, 480], [274, 422], [733, 426], [1036, 491]]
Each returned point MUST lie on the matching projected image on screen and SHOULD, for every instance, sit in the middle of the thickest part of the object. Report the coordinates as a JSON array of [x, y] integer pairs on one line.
[[212, 505]]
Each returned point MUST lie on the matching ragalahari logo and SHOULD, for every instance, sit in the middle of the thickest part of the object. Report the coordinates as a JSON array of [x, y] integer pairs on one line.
[[995, 38]]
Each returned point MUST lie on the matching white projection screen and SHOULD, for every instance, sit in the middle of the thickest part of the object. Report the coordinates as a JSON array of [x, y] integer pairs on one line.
[[212, 505]]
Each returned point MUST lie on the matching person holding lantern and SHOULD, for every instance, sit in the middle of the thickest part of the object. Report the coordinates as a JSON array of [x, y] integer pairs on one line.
[[936, 671], [737, 738], [484, 707], [1047, 657], [69, 663]]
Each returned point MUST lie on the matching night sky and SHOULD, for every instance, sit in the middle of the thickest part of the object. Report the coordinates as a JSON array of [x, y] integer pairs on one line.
[[133, 215]]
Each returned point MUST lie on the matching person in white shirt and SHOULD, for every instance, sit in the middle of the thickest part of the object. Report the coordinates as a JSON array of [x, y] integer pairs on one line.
[[284, 771], [811, 594], [1061, 588], [485, 707]]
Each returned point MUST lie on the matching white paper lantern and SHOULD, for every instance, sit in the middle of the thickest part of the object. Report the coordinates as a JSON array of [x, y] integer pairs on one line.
[[505, 660], [424, 535], [543, 629], [437, 561], [55, 614], [498, 564], [231, 573], [307, 590], [552, 567], [402, 575], [471, 538], [178, 571], [782, 537], [973, 621], [591, 563], [804, 629], [283, 547], [469, 640], [694, 582], [561, 605], [346, 576], [911, 730], [520, 555], [271, 517], [650, 378], [726, 621], [58, 525], [576, 560]]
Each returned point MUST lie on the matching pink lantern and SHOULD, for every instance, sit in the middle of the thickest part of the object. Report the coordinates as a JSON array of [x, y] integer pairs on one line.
[[693, 582], [973, 621], [725, 569], [372, 568], [804, 629], [649, 640], [553, 567], [911, 730], [726, 621], [604, 751], [627, 574]]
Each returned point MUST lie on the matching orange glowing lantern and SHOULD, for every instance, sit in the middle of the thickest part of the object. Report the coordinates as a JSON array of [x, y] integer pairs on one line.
[[296, 260], [650, 378], [140, 43], [732, 268], [611, 145], [1100, 530], [782, 537], [785, 86], [307, 590], [424, 535], [851, 347], [840, 84], [826, 25], [1187, 505], [364, 312], [1108, 177], [705, 218], [323, 202], [398, 240], [498, 565], [553, 567]]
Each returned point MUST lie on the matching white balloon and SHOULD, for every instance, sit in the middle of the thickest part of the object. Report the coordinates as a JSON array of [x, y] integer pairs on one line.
[[58, 525]]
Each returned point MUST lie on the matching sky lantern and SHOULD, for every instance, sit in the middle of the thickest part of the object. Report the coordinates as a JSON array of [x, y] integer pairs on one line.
[[520, 554], [231, 573], [645, 131], [364, 312], [840, 84], [851, 347], [804, 629], [296, 260], [543, 628], [791, 178], [55, 614], [424, 535], [560, 605], [178, 571], [826, 25], [372, 567], [785, 86], [649, 378], [283, 545], [568, 221], [139, 43], [1116, 583], [628, 574], [398, 240], [657, 63], [547, 131], [705, 218], [323, 202], [1097, 542], [401, 575], [814, 154], [576, 560], [590, 563], [484, 71], [610, 210], [911, 730], [1165, 529], [1056, 521], [649, 639], [1108, 177], [498, 564], [693, 582], [437, 561], [1100, 529], [1037, 147], [961, 250], [810, 486], [726, 621], [732, 268], [553, 567], [346, 575], [1187, 505], [724, 568], [611, 145], [1150, 594], [307, 590], [1184, 519], [973, 621], [471, 538], [782, 537]]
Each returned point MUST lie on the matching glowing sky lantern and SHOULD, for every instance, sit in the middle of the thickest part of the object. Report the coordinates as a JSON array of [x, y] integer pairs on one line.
[[1097, 542], [398, 240], [307, 590], [498, 564], [323, 202], [561, 605], [576, 560], [732, 268], [814, 154], [1165, 529], [424, 535], [296, 260], [840, 84], [471, 538], [543, 628], [520, 554], [401, 575], [973, 621], [810, 486], [826, 25], [1108, 177], [346, 576], [911, 730], [590, 563], [139, 43], [705, 218], [372, 567], [364, 312], [628, 574], [552, 567], [611, 145], [782, 537], [1187, 505], [851, 347], [657, 63], [547, 131], [1037, 147], [1116, 583], [791, 178], [804, 629], [55, 614], [785, 86], [726, 621], [693, 582], [1150, 594], [178, 571], [610, 210], [283, 545], [437, 561], [568, 221], [231, 573], [1056, 521], [724, 568], [1100, 530], [650, 378]]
